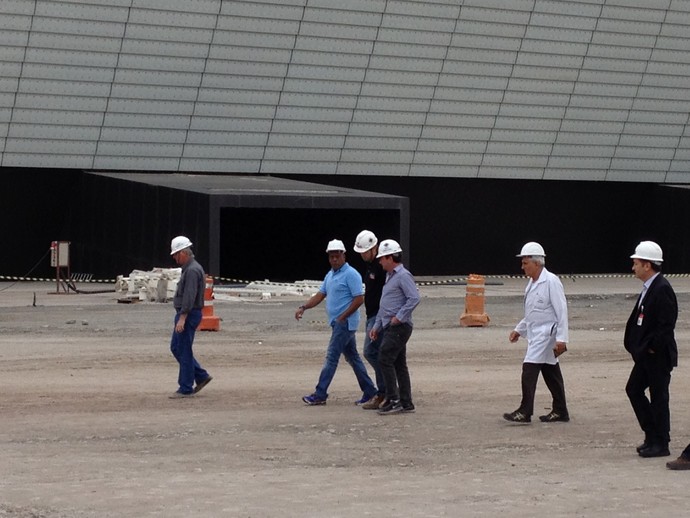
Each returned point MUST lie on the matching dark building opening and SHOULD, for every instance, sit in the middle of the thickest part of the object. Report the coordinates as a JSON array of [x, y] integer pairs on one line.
[[285, 244]]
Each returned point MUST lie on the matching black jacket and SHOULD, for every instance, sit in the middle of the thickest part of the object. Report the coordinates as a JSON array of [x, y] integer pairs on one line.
[[374, 279], [656, 330]]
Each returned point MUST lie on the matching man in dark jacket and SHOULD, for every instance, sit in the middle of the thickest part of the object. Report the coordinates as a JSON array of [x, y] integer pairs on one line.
[[649, 338], [374, 277], [188, 302]]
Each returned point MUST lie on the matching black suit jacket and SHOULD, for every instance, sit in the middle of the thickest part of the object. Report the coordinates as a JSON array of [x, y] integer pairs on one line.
[[656, 332]]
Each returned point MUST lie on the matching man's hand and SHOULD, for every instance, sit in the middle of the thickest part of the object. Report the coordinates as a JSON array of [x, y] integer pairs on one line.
[[299, 312], [559, 349], [179, 327], [373, 335], [513, 337]]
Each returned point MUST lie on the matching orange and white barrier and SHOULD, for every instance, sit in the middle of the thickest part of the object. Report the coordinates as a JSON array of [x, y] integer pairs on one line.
[[209, 321], [474, 315]]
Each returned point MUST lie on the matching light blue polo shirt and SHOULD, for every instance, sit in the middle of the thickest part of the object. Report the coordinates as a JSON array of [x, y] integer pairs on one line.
[[340, 287]]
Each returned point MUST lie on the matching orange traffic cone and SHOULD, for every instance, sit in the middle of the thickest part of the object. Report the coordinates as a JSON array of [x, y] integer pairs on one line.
[[474, 315], [209, 321]]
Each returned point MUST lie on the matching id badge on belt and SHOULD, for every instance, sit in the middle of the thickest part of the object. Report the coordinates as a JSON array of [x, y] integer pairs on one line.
[[640, 317]]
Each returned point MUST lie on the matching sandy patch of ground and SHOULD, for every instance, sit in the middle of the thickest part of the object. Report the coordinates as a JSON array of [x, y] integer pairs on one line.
[[87, 428]]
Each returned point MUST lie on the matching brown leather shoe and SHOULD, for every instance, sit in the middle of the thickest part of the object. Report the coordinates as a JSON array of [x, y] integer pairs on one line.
[[681, 463], [374, 403], [202, 384]]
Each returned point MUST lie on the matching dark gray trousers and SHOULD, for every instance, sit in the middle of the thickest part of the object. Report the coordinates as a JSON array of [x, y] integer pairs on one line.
[[554, 382], [393, 362]]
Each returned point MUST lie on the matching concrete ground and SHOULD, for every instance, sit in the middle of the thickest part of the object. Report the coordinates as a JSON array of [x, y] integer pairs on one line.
[[87, 429]]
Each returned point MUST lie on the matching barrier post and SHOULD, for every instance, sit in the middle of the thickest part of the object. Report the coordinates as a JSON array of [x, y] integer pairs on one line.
[[209, 321], [474, 315]]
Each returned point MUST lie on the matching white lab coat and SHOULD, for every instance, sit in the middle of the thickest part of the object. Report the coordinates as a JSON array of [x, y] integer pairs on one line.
[[546, 318]]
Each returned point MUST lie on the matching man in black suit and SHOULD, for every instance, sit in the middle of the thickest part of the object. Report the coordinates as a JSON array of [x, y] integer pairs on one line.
[[649, 338]]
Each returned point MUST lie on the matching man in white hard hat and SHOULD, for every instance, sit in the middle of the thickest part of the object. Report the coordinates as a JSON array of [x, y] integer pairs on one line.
[[188, 302], [394, 322], [545, 326], [650, 340], [366, 244], [342, 289]]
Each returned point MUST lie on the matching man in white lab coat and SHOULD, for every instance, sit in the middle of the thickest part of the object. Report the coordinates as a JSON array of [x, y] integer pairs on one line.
[[545, 326]]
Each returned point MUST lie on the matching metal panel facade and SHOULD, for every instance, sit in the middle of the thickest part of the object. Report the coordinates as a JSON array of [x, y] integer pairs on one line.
[[538, 89]]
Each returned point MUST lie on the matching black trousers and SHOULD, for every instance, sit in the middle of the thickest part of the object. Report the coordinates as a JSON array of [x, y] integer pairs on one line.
[[653, 414], [393, 362], [554, 382]]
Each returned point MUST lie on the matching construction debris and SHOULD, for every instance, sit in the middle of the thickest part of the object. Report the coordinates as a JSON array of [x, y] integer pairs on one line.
[[266, 289], [157, 285]]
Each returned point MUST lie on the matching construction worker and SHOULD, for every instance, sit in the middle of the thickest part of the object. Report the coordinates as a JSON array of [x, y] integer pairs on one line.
[[374, 276], [394, 323], [342, 289], [188, 302]]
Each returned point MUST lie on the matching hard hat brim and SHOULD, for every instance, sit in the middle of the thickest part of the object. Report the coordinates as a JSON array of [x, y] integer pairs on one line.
[[644, 258], [384, 254]]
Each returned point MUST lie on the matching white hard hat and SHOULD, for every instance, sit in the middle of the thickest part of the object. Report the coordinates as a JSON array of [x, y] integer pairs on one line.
[[366, 240], [179, 243], [530, 249], [649, 251], [388, 247], [336, 245]]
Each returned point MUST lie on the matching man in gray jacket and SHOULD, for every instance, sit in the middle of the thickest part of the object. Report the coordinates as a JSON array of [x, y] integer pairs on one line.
[[188, 302]]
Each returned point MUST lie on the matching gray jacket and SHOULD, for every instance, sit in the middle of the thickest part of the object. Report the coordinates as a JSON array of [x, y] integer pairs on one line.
[[190, 288]]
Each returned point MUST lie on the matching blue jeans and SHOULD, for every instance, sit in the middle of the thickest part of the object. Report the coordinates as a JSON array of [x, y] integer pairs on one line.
[[371, 353], [343, 342], [181, 348]]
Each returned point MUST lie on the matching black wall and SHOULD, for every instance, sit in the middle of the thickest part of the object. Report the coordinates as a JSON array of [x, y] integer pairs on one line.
[[457, 226], [461, 226], [34, 204], [118, 226]]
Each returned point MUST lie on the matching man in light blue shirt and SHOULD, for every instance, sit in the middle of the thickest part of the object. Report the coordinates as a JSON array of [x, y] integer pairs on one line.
[[342, 289], [394, 319]]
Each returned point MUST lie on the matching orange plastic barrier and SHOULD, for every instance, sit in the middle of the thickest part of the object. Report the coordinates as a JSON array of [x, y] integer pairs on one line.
[[474, 315], [209, 321]]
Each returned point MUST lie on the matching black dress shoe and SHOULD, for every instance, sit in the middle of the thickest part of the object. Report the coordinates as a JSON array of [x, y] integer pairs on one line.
[[643, 446], [655, 450]]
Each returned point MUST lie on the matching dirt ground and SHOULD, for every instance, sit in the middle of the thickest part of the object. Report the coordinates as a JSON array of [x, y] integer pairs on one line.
[[87, 428]]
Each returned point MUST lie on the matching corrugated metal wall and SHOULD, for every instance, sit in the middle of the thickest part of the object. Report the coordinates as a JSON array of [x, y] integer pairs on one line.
[[583, 90]]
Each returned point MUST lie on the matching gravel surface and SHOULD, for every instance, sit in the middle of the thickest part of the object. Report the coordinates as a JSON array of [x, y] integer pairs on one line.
[[87, 428]]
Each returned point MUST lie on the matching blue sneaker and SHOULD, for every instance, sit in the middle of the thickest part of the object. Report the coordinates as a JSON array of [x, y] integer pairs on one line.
[[364, 399], [313, 399]]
